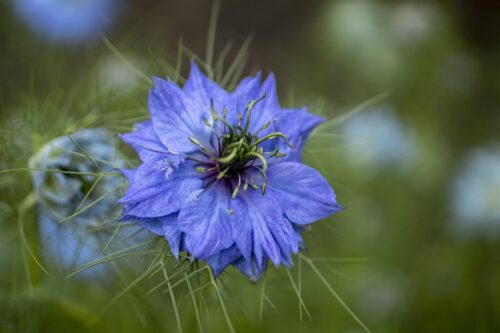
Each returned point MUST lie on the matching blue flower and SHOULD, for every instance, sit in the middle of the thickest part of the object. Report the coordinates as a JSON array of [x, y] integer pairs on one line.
[[67, 21], [63, 176], [221, 176]]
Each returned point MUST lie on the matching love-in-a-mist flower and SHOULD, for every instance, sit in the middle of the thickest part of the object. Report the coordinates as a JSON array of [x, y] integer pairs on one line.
[[69, 176], [221, 176]]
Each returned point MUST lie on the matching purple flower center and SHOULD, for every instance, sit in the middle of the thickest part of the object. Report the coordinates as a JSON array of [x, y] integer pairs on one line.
[[235, 154]]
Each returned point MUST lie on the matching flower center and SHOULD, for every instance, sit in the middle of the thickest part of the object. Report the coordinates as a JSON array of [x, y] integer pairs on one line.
[[236, 152]]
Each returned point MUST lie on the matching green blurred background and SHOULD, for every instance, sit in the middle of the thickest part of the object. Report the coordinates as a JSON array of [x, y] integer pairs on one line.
[[403, 255]]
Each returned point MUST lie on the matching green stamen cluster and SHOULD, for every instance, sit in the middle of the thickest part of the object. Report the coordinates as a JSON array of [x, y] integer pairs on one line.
[[237, 149]]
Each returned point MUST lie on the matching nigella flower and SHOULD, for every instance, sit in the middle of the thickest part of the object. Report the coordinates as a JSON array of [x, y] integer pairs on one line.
[[221, 176], [67, 21], [69, 176]]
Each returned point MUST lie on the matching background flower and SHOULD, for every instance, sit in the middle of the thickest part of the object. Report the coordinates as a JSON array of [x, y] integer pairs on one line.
[[75, 196], [67, 21], [377, 139], [476, 193]]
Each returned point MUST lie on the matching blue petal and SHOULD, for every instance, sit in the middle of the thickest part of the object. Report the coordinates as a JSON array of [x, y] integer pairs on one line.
[[303, 194], [205, 219], [129, 174], [247, 90], [268, 109], [69, 246], [170, 227], [269, 88], [251, 268], [152, 194], [145, 142], [296, 124], [176, 118], [218, 262], [298, 230], [153, 225], [165, 226], [260, 228], [203, 91]]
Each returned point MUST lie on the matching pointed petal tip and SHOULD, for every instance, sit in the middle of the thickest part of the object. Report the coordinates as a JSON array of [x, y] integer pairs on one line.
[[157, 81], [128, 173], [194, 65]]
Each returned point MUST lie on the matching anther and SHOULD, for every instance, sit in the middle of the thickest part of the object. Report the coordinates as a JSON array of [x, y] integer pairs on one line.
[[236, 189], [221, 175], [265, 126], [264, 186], [215, 116], [207, 123], [196, 142]]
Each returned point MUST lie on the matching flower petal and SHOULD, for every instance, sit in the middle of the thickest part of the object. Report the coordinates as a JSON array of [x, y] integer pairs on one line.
[[296, 124], [204, 218], [247, 90], [165, 226], [151, 224], [67, 245], [170, 227], [218, 262], [303, 194], [176, 118], [145, 142], [152, 194], [129, 174], [297, 228], [203, 91], [260, 228], [251, 268], [268, 109], [269, 88]]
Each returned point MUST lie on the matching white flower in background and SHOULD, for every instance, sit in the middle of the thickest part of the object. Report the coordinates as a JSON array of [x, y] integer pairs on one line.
[[356, 31], [476, 192], [414, 22], [376, 139], [382, 296], [116, 75], [370, 37]]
